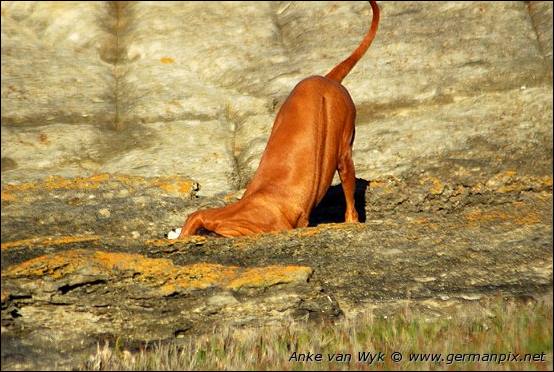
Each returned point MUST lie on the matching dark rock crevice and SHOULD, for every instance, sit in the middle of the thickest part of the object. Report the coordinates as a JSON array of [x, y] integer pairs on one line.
[[117, 24], [541, 19]]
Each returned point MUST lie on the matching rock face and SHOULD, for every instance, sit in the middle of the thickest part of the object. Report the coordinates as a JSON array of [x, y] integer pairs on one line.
[[119, 119], [162, 89]]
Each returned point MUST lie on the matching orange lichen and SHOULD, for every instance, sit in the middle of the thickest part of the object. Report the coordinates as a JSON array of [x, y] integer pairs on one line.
[[77, 183], [507, 174], [172, 185], [245, 241], [167, 60], [129, 261], [230, 197], [426, 222], [4, 295], [478, 215], [384, 185], [167, 187], [156, 272], [55, 266], [131, 181], [309, 232], [520, 214], [436, 187], [6, 196], [269, 276], [508, 181], [528, 219], [176, 185], [420, 220], [199, 276], [377, 184], [160, 242], [43, 138], [186, 187], [45, 241], [57, 182]]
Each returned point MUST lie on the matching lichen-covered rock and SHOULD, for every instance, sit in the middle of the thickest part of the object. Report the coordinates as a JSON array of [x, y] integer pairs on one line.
[[79, 267], [86, 289], [146, 299], [118, 205]]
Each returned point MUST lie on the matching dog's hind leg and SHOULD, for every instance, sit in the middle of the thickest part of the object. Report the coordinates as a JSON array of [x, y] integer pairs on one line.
[[348, 180], [215, 220], [193, 223]]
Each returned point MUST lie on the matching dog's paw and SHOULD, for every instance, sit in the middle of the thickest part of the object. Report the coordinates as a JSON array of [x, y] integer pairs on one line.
[[173, 234]]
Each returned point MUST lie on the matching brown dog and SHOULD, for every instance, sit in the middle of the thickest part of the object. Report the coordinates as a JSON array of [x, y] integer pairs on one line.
[[311, 138]]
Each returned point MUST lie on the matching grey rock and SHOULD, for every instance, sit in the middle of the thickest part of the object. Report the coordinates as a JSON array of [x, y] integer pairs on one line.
[[541, 15], [157, 89]]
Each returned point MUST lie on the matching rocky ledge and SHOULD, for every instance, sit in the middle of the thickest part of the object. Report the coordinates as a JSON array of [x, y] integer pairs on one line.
[[84, 260]]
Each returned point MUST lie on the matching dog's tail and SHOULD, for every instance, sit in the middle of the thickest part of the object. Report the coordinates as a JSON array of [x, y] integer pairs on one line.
[[342, 69]]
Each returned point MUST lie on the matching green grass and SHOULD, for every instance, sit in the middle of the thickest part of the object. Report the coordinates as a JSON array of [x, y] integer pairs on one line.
[[504, 327]]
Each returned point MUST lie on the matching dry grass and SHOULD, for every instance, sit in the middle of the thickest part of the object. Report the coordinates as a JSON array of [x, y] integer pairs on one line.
[[505, 327]]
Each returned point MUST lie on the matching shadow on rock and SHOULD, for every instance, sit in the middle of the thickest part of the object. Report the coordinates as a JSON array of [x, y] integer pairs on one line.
[[332, 207]]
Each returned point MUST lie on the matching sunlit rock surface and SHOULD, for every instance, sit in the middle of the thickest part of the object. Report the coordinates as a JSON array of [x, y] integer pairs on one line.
[[120, 119]]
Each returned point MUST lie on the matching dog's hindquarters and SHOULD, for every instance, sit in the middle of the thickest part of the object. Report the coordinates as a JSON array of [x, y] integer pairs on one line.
[[244, 217], [311, 139], [343, 138]]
